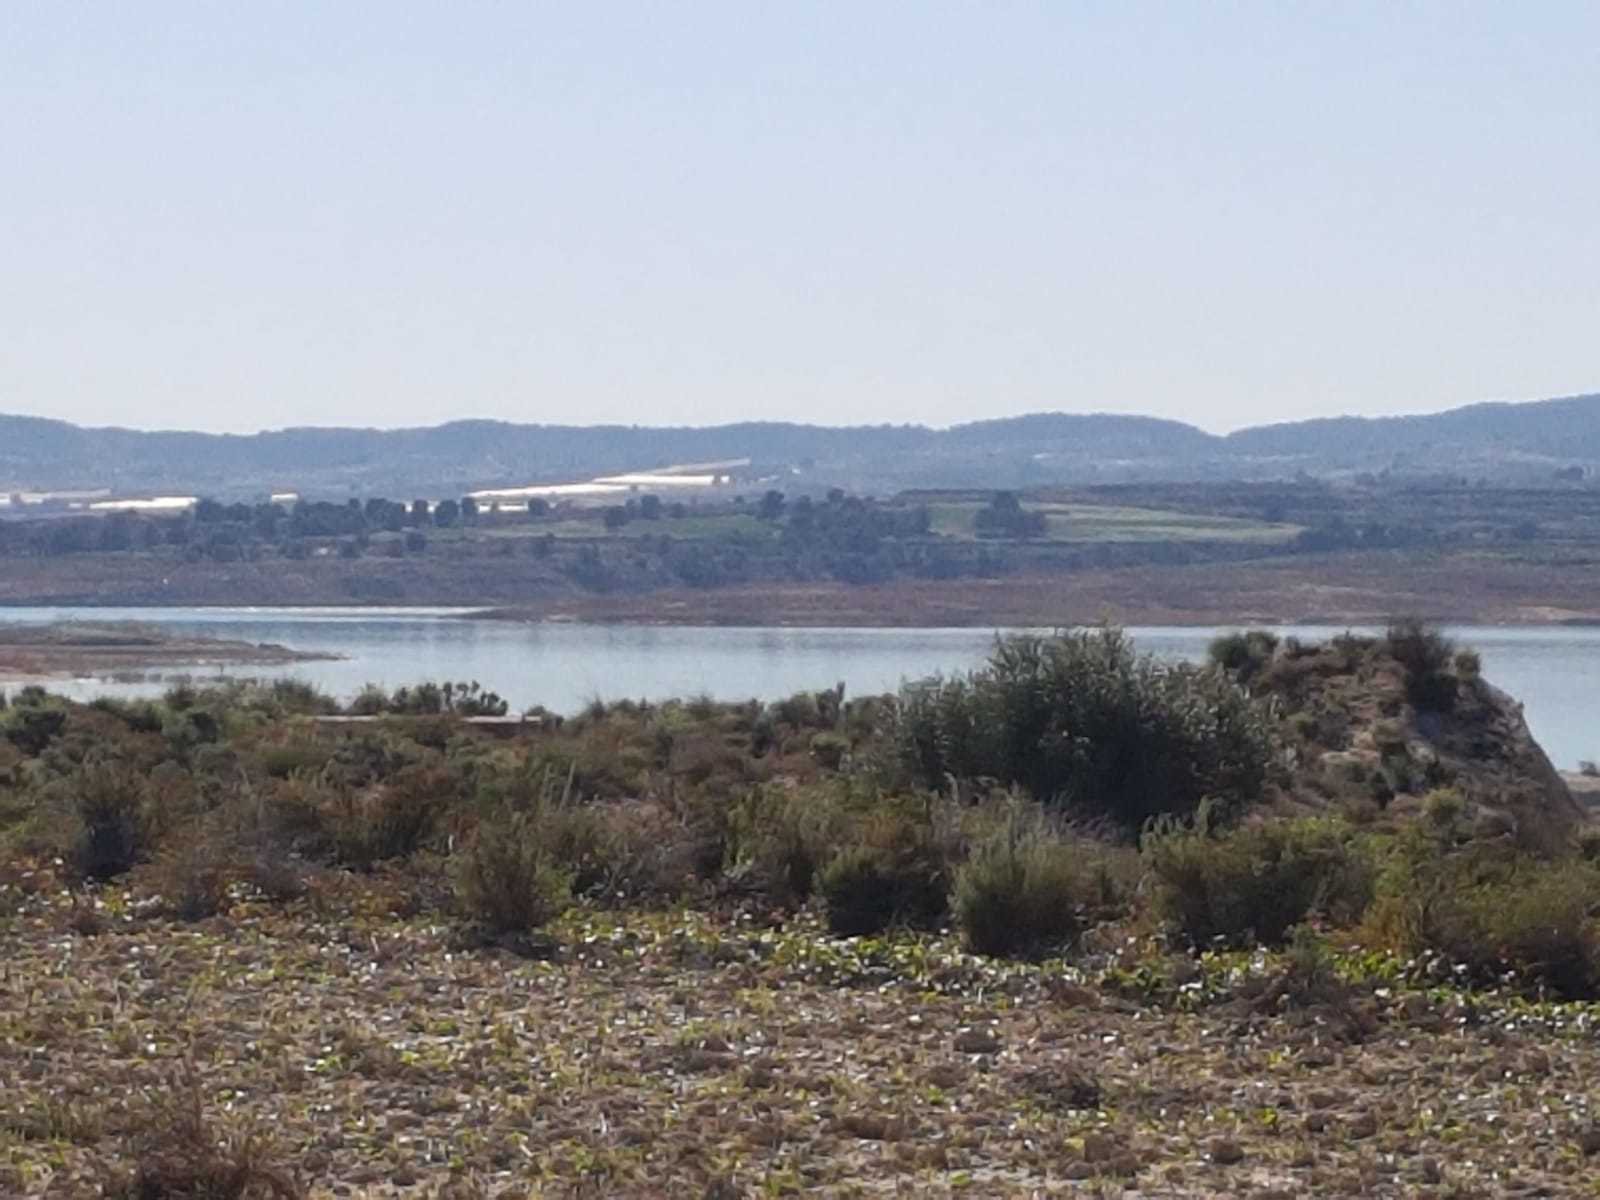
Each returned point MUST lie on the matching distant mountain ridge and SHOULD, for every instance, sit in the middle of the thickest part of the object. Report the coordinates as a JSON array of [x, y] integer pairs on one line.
[[1523, 440]]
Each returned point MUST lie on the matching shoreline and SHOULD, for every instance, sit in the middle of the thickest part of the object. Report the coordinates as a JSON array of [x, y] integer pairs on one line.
[[32, 654]]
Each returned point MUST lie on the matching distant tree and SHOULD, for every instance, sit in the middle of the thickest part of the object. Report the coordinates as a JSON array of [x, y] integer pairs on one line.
[[469, 510], [446, 513], [416, 543], [538, 507], [419, 512], [771, 506], [650, 508], [1005, 517], [678, 510], [209, 511], [616, 517], [117, 533], [349, 548]]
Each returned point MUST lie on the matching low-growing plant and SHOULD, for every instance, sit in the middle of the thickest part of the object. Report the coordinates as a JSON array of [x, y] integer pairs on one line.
[[177, 1153], [1257, 881]]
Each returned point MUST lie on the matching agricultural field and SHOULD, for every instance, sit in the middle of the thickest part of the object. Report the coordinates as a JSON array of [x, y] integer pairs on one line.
[[1083, 522]]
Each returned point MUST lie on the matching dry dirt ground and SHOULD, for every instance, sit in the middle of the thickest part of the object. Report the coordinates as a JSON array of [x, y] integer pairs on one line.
[[676, 1054]]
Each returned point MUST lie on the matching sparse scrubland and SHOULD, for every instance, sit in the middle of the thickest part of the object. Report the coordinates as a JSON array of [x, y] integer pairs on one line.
[[1311, 919]]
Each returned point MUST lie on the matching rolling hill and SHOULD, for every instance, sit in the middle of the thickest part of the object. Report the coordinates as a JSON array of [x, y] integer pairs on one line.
[[1513, 441]]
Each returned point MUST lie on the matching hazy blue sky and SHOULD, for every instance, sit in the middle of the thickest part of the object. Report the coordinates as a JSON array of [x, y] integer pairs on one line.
[[230, 216]]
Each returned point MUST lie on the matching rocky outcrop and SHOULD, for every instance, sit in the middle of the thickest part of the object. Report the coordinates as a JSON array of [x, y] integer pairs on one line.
[[1384, 722]]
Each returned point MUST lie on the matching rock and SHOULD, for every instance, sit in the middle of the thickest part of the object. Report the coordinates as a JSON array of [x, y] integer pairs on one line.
[[870, 1127], [1073, 995], [1428, 1171], [1078, 1171], [1099, 1147], [977, 1041], [1589, 1139], [1363, 1126], [1225, 1151]]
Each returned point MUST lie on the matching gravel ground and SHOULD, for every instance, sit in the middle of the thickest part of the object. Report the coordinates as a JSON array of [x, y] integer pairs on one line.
[[681, 1054]]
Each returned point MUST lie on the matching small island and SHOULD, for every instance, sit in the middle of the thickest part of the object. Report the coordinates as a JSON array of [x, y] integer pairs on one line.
[[74, 648]]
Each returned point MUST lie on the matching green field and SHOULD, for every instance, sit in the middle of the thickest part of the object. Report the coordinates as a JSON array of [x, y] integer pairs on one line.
[[1106, 523]]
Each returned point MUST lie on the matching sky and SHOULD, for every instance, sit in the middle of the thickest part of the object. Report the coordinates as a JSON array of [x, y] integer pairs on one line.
[[241, 216]]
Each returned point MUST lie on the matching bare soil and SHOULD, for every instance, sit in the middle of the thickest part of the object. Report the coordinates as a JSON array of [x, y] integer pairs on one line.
[[676, 1054]]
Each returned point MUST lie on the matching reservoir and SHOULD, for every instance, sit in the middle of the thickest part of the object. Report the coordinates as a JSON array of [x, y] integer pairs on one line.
[[1553, 670]]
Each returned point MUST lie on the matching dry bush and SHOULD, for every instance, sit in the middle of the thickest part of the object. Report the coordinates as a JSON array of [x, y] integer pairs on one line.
[[509, 879], [193, 873], [179, 1155]]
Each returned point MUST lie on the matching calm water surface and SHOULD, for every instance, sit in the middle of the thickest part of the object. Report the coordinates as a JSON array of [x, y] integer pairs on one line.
[[1555, 671]]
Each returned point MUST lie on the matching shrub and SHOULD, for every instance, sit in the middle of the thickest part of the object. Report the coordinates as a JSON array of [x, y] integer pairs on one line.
[[110, 803], [507, 880], [193, 876], [1028, 890], [32, 727], [1081, 718], [179, 1155], [898, 873], [1243, 653], [393, 819], [1487, 909], [1257, 881], [779, 838], [1426, 656]]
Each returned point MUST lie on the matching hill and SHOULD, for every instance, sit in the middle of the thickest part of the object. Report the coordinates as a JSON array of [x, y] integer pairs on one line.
[[1513, 441]]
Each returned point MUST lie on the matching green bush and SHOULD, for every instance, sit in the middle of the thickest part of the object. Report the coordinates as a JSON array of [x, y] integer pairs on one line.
[[1487, 909], [780, 837], [1427, 657], [899, 873], [1244, 652], [1255, 882], [1080, 718], [507, 879], [1028, 890]]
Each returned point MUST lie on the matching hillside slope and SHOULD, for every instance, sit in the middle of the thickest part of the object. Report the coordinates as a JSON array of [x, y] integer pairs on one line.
[[1518, 440]]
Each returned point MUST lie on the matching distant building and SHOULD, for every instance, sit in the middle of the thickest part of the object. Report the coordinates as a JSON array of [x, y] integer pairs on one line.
[[167, 504]]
